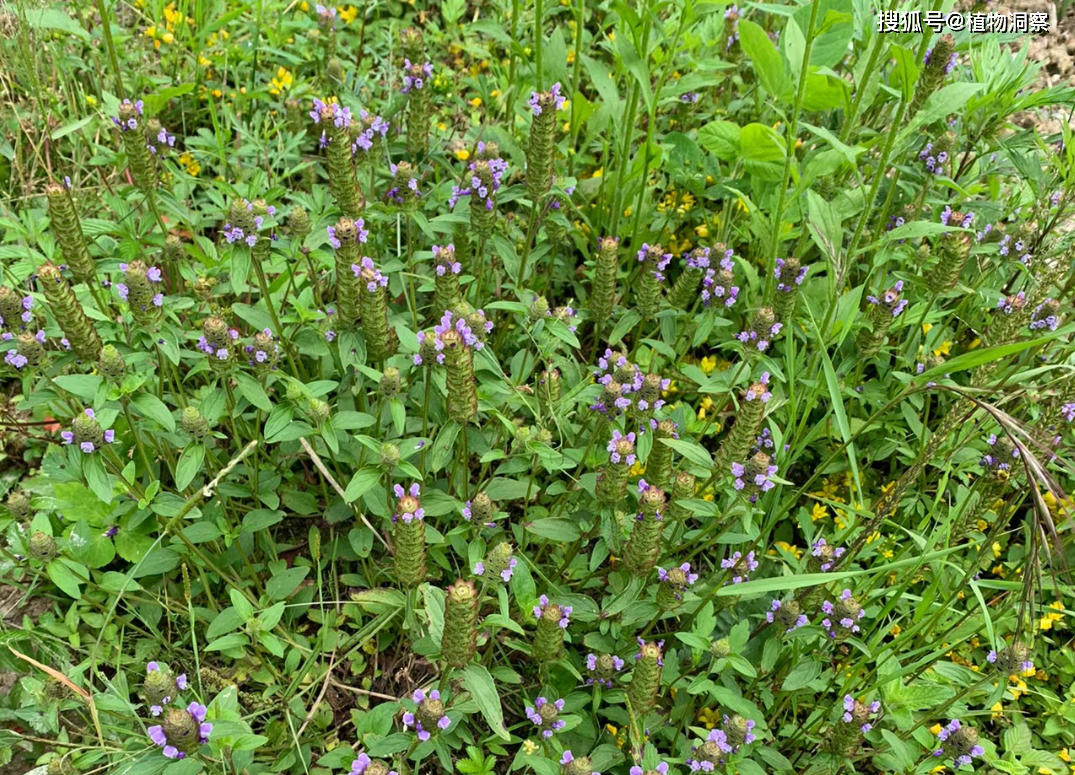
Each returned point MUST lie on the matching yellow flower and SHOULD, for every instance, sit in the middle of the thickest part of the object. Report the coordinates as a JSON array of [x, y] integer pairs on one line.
[[476, 102], [927, 327], [598, 172], [571, 57], [637, 469], [709, 717], [974, 343], [671, 389], [794, 551], [348, 13], [701, 230], [494, 93], [530, 747], [190, 164], [91, 100], [996, 549], [281, 82], [939, 768], [442, 126], [874, 536], [462, 154], [627, 212], [1064, 755], [217, 93], [617, 735], [304, 6], [1019, 689], [944, 349], [935, 730], [819, 512], [887, 554], [1046, 622], [895, 629], [204, 62], [709, 364], [704, 407]]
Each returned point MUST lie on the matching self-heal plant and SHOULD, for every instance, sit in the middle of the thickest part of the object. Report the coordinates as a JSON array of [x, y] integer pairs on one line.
[[182, 731], [545, 716], [958, 743], [86, 433], [429, 715], [602, 668], [552, 622], [410, 535]]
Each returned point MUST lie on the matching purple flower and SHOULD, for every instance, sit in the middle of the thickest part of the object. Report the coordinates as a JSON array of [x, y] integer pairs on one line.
[[546, 720], [828, 557], [740, 566], [774, 610], [613, 447]]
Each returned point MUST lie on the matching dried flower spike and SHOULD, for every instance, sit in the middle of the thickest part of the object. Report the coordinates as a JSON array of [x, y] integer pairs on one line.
[[68, 231], [460, 636], [77, 327]]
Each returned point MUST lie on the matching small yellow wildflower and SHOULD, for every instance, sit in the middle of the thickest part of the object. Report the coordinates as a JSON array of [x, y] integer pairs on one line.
[[476, 102], [709, 717], [701, 230], [348, 13], [462, 154], [627, 212], [938, 768], [217, 93], [998, 710], [927, 327], [974, 343], [1046, 622], [935, 730], [895, 630], [442, 126], [1019, 689], [571, 57], [887, 554], [598, 172], [304, 6], [944, 348], [874, 536], [530, 747], [204, 62], [671, 389], [190, 164], [91, 100], [709, 364], [705, 407], [494, 93], [637, 469], [819, 512], [281, 82], [794, 551]]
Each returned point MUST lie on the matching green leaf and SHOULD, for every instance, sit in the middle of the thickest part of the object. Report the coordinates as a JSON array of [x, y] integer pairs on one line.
[[802, 674], [190, 463], [54, 19], [279, 418], [690, 450], [150, 406], [362, 482], [560, 530], [64, 578], [243, 607], [480, 684], [82, 385], [970, 360], [99, 480], [253, 392], [233, 641], [283, 584], [720, 138], [768, 64]]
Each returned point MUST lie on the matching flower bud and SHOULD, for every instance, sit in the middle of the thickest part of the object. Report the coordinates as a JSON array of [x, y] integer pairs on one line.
[[481, 508], [111, 363], [646, 680], [644, 546], [390, 457], [460, 636], [603, 286], [192, 422], [721, 648], [18, 503], [76, 326], [390, 383], [42, 546], [298, 224]]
